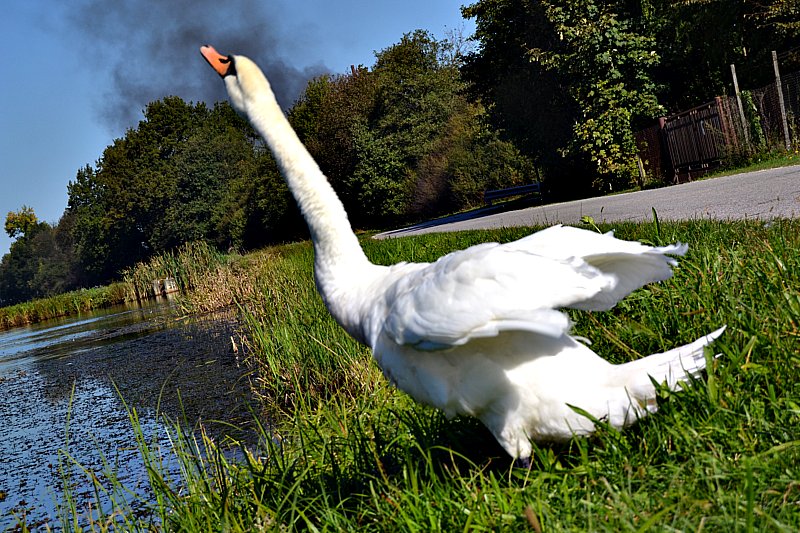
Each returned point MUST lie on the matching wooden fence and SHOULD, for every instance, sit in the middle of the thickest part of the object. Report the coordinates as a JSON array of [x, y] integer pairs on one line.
[[690, 143]]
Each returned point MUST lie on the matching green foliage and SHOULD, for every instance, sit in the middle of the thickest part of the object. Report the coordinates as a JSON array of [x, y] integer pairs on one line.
[[585, 49], [525, 100], [187, 173], [699, 40], [600, 68], [607, 66], [40, 264], [479, 160], [757, 138], [63, 304], [129, 191], [20, 222], [380, 179], [402, 140]]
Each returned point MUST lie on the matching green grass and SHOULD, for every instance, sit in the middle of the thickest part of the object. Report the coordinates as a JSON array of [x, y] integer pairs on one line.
[[760, 161], [342, 450], [200, 272], [66, 304], [190, 265]]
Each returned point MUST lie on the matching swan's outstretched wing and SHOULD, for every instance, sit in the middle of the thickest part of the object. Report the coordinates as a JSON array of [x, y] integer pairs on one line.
[[631, 264], [483, 290], [489, 288]]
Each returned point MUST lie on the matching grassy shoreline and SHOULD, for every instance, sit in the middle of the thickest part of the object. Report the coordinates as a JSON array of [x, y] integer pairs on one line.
[[67, 304], [193, 267], [345, 450]]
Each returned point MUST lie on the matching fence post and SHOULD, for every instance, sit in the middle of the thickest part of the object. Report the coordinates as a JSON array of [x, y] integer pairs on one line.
[[786, 137], [745, 125]]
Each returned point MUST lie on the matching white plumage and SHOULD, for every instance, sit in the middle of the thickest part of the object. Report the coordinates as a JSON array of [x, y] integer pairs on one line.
[[479, 331]]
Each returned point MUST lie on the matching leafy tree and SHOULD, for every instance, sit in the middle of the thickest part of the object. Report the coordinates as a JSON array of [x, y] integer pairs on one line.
[[41, 261], [393, 140], [698, 40], [118, 205], [566, 79], [23, 273], [327, 117], [380, 177], [86, 213], [20, 223], [525, 100], [166, 182], [217, 151], [606, 65], [478, 159]]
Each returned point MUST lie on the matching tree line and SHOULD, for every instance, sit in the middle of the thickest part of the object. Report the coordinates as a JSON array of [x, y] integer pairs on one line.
[[551, 90]]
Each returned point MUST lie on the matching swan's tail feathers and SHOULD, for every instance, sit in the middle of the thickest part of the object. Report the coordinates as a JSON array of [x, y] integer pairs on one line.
[[631, 264], [671, 368]]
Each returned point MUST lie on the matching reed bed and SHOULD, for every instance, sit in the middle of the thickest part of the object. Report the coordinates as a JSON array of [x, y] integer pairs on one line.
[[193, 265], [189, 265], [70, 303], [343, 450], [226, 283]]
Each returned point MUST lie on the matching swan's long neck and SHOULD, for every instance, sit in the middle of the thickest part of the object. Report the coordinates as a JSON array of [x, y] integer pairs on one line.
[[335, 244], [341, 269]]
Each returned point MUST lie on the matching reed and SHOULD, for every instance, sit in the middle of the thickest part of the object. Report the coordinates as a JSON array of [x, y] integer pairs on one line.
[[302, 366], [193, 266], [226, 283], [188, 265], [70, 303]]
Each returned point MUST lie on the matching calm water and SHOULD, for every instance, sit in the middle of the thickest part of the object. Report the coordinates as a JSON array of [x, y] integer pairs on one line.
[[62, 386]]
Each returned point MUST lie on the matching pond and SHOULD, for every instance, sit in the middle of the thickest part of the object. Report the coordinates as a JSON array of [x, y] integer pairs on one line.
[[66, 387]]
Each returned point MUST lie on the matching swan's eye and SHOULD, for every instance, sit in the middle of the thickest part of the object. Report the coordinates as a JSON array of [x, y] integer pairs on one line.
[[232, 68]]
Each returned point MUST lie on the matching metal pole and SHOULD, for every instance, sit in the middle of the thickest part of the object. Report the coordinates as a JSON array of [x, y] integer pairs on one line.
[[780, 102], [745, 125]]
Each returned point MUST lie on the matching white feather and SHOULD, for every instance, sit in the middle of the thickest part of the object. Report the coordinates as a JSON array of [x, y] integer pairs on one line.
[[480, 331]]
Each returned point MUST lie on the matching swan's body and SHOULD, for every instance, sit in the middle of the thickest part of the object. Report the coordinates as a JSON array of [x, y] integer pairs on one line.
[[478, 332]]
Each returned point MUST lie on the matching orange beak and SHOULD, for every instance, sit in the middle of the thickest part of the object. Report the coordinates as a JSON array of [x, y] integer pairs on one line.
[[222, 64]]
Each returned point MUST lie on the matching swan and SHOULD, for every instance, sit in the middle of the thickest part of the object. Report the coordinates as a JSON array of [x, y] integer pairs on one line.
[[479, 331]]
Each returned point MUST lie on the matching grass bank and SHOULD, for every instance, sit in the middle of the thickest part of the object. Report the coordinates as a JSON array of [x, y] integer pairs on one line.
[[760, 161], [201, 274], [66, 304], [342, 450]]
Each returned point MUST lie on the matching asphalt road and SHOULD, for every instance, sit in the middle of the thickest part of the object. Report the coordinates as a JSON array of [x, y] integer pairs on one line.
[[764, 194]]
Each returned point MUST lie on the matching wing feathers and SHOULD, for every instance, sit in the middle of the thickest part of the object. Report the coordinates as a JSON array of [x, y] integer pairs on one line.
[[489, 288], [632, 264]]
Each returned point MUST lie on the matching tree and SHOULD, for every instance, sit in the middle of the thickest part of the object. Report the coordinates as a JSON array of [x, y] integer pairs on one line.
[[20, 223], [565, 79], [35, 266], [86, 213], [698, 40], [394, 140], [524, 100], [327, 117], [606, 65]]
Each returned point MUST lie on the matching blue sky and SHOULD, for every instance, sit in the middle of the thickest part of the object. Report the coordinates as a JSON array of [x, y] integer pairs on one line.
[[77, 74]]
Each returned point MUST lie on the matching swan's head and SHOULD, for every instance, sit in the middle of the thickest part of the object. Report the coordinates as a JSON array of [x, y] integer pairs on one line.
[[243, 79]]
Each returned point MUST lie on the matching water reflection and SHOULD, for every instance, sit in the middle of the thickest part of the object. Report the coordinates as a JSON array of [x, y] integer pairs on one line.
[[78, 370]]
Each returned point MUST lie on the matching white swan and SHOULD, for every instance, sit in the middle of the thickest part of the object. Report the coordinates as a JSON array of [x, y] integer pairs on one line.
[[478, 332]]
